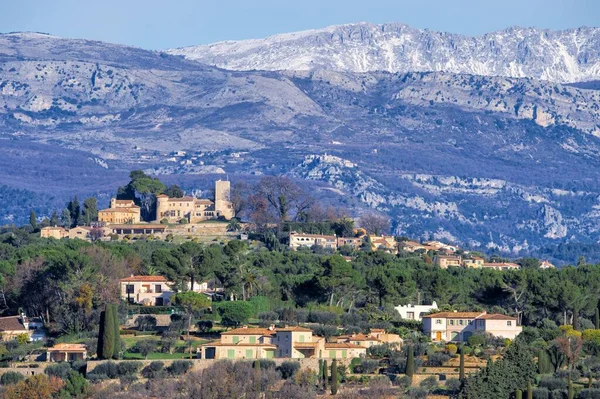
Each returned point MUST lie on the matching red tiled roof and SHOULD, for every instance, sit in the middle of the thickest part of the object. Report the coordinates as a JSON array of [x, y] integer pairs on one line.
[[342, 345], [249, 331], [182, 199], [11, 323], [115, 210], [240, 344], [142, 279], [68, 348], [294, 329]]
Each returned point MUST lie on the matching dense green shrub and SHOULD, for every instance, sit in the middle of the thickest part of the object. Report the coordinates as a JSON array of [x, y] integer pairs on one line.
[[11, 377], [453, 384], [541, 393], [367, 366], [60, 370], [591, 393], [266, 364], [417, 393], [105, 370], [402, 382], [429, 383], [155, 369], [437, 359], [128, 368], [288, 369], [179, 367]]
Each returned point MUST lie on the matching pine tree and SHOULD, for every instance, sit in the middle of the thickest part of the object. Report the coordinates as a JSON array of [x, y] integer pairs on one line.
[[90, 210], [54, 221], [116, 332], [74, 211], [33, 219], [334, 377], [410, 362], [462, 364], [108, 337], [325, 374], [529, 390], [65, 218]]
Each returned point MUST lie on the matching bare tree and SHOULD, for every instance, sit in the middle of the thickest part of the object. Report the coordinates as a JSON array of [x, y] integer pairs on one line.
[[375, 223], [286, 200]]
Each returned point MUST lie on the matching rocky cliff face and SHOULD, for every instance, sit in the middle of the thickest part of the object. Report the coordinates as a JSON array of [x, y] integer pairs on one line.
[[562, 56]]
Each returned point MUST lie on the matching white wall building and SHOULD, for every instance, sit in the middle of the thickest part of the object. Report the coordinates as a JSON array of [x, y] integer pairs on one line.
[[414, 312]]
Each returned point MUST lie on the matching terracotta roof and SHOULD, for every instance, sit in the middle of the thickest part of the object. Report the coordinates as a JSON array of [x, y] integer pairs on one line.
[[151, 279], [68, 348], [249, 331], [115, 210], [454, 315], [377, 330], [312, 235], [342, 345], [182, 199], [54, 228], [305, 344], [11, 323], [139, 226], [240, 344], [362, 337], [294, 329], [501, 264]]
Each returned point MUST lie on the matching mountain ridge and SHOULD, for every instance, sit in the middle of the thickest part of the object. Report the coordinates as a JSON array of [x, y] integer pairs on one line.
[[568, 55]]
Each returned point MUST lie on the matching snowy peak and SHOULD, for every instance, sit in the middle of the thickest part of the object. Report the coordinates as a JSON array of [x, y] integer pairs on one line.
[[561, 56]]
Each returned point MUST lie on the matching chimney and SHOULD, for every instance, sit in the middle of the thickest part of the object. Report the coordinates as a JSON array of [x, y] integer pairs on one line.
[[244, 326], [272, 327]]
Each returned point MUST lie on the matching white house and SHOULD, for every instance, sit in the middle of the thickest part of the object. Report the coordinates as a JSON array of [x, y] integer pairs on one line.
[[459, 326], [414, 312]]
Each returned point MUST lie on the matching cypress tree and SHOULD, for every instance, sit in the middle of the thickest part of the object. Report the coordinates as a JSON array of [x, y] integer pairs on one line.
[[334, 377], [590, 382], [33, 219], [256, 365], [462, 364], [108, 336], [117, 335], [410, 362], [576, 319], [597, 319], [102, 327], [529, 390], [325, 374], [519, 394], [320, 370], [544, 366]]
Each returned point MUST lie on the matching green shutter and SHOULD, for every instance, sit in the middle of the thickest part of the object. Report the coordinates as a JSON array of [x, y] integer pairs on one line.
[[236, 339], [344, 354], [230, 353], [332, 354], [270, 354], [249, 354], [252, 340], [301, 338]]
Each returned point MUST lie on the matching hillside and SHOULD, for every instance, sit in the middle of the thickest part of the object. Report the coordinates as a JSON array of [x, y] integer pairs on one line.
[[486, 161], [560, 56]]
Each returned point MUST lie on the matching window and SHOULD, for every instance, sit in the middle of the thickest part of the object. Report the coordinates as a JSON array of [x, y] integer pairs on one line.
[[460, 322], [129, 289], [235, 339], [158, 288], [470, 322], [509, 323], [410, 315], [252, 340], [481, 323], [438, 321], [451, 322]]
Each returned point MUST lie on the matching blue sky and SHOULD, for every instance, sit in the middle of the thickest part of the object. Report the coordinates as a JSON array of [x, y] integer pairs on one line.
[[156, 24]]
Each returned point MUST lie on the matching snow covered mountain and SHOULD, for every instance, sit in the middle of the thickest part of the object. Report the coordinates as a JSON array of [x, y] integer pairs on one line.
[[561, 56]]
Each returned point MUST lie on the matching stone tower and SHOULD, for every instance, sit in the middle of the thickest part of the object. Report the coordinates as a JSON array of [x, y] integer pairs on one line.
[[162, 205], [223, 205]]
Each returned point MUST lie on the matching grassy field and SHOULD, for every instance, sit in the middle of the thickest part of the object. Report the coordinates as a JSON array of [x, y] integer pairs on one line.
[[131, 341]]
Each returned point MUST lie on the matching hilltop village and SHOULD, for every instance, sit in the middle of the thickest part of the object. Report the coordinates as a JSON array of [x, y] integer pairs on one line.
[[163, 286]]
